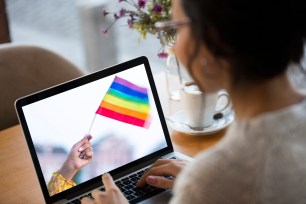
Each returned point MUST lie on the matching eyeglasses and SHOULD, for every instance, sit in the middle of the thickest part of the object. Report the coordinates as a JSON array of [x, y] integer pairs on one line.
[[167, 30]]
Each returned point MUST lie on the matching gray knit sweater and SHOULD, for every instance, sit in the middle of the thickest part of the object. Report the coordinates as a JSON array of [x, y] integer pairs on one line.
[[262, 160]]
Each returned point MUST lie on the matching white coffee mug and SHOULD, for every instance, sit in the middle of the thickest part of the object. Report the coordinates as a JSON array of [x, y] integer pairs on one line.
[[199, 108]]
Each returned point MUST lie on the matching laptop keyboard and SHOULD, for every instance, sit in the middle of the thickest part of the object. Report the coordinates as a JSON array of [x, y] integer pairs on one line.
[[134, 194], [128, 187]]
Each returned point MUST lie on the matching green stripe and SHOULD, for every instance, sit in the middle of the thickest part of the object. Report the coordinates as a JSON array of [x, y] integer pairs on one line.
[[127, 97]]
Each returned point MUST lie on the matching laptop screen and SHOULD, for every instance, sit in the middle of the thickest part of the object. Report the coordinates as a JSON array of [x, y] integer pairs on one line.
[[118, 107]]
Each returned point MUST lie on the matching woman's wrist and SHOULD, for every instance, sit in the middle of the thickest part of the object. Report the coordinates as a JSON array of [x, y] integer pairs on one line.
[[67, 172]]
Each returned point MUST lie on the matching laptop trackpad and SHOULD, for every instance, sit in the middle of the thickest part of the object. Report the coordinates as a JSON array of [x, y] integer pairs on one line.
[[161, 198]]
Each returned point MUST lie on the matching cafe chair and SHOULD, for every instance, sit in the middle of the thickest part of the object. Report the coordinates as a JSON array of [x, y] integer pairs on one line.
[[25, 69]]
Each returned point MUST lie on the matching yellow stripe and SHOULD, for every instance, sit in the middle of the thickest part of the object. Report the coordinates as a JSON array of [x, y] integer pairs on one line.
[[143, 108], [124, 111]]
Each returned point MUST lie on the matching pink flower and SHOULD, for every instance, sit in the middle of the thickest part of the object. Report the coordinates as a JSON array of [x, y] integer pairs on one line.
[[162, 55], [116, 17], [140, 14], [157, 8], [122, 12], [142, 3]]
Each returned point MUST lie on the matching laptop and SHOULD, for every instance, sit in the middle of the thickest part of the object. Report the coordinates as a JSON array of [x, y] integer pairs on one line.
[[119, 107]]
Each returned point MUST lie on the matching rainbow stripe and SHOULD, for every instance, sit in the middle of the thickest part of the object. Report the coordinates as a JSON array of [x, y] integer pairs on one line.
[[126, 102]]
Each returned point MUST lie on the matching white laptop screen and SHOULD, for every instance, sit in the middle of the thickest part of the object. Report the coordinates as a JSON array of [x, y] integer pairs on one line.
[[118, 111]]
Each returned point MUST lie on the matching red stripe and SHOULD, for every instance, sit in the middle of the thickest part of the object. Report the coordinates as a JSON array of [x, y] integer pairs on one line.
[[120, 117]]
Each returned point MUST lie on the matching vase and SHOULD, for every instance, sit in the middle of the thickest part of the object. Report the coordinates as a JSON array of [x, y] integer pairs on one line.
[[174, 78]]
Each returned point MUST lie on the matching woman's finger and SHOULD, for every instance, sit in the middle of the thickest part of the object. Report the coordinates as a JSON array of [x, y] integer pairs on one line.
[[168, 167], [108, 182], [85, 146], [157, 163], [155, 171], [111, 195], [98, 195], [77, 145], [160, 182], [86, 200], [160, 162], [87, 154]]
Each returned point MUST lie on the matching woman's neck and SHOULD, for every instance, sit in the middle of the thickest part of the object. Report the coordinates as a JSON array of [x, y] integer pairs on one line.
[[250, 101]]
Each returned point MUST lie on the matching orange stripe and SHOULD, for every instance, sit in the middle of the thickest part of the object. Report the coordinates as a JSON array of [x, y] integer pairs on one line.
[[124, 111]]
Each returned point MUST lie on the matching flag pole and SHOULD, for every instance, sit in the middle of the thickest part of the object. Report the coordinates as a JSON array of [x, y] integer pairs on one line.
[[92, 123]]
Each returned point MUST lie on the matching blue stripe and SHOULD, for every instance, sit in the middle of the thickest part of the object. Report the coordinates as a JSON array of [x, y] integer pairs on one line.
[[127, 90], [127, 97]]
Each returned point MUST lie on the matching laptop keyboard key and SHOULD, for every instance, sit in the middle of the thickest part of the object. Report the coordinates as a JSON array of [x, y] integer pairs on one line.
[[130, 197]]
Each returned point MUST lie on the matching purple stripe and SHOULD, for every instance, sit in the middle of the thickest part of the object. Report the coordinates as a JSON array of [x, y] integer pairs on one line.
[[130, 85]]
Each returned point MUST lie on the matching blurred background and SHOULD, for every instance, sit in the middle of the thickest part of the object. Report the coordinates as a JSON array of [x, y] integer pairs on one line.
[[72, 29]]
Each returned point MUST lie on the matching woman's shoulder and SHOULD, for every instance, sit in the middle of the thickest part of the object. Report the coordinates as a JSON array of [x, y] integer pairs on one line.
[[285, 122], [294, 111], [240, 156]]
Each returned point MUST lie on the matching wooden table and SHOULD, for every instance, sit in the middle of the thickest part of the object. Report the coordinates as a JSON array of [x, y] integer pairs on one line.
[[18, 181]]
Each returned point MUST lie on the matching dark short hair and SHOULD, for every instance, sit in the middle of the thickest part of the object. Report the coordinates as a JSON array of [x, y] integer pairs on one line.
[[259, 38]]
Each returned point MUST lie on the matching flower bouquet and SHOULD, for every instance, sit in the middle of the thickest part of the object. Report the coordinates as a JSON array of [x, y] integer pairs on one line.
[[142, 16]]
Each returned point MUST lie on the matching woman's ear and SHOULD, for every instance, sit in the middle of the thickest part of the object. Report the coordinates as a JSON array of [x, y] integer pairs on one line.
[[208, 63], [212, 72]]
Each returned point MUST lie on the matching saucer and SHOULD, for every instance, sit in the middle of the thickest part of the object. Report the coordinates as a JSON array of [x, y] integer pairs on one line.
[[177, 122]]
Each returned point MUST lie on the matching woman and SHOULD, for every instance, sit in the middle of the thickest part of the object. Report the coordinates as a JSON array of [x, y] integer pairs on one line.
[[244, 47]]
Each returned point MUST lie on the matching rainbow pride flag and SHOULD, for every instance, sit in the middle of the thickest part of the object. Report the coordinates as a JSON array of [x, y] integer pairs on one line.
[[126, 102]]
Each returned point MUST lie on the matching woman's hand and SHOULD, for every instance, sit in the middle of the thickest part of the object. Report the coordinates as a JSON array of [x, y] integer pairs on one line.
[[111, 195], [162, 167], [79, 156]]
